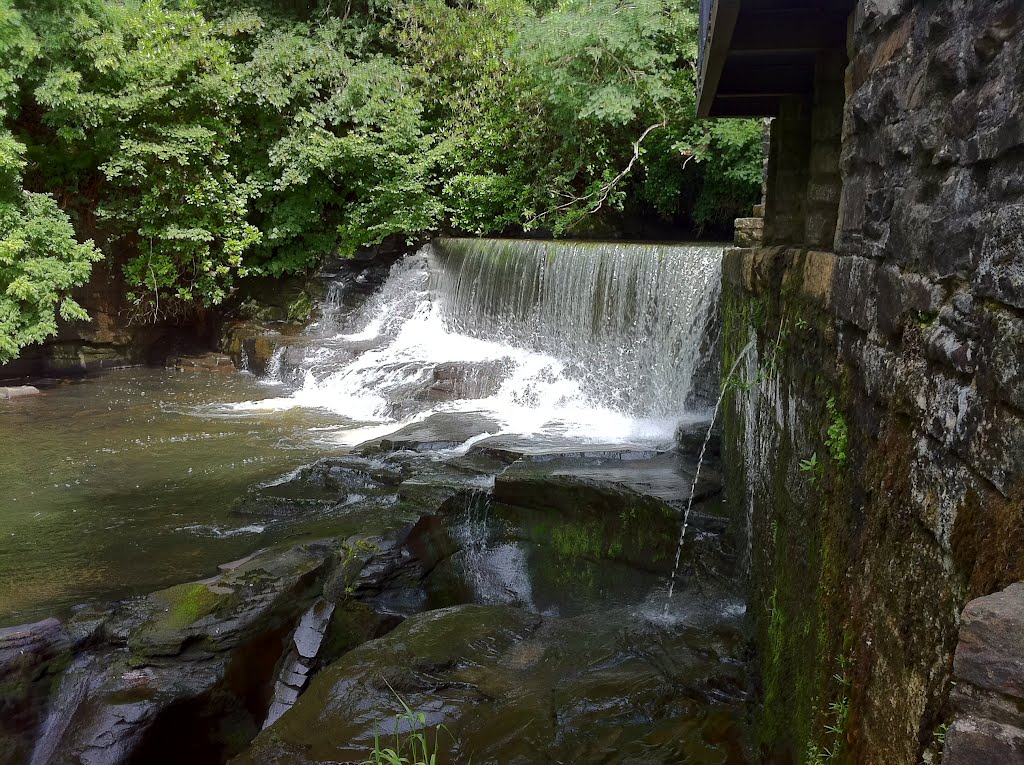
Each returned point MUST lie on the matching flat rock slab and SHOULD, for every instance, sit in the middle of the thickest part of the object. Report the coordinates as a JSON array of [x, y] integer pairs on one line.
[[971, 741], [439, 431], [989, 671], [664, 477]]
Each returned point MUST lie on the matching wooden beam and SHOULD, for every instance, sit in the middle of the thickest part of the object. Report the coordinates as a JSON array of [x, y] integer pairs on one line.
[[723, 22]]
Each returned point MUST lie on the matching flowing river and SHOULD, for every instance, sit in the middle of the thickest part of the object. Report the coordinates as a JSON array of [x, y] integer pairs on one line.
[[580, 363]]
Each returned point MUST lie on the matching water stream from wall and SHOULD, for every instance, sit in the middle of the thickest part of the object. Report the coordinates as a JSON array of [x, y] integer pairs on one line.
[[700, 463]]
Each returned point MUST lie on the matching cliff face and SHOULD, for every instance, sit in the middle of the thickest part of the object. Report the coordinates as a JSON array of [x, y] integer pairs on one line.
[[877, 419], [111, 338]]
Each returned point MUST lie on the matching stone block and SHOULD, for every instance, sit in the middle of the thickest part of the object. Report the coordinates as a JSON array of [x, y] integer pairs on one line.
[[819, 269], [749, 232], [971, 741], [994, 142], [950, 349], [824, 191], [1007, 357], [891, 305], [853, 291], [990, 654], [732, 267], [949, 408], [994, 449], [1001, 262]]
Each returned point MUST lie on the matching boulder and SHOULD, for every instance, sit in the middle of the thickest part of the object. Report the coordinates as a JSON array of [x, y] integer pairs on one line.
[[165, 662], [18, 391], [988, 667]]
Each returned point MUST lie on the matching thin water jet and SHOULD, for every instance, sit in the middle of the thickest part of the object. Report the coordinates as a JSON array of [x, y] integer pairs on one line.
[[696, 475]]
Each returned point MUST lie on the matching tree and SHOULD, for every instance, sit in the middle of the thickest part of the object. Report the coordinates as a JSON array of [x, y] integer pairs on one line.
[[40, 259]]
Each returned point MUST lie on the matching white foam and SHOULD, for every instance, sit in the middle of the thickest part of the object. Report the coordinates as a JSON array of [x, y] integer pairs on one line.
[[373, 375]]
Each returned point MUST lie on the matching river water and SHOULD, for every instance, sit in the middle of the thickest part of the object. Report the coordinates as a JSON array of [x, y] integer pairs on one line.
[[125, 482]]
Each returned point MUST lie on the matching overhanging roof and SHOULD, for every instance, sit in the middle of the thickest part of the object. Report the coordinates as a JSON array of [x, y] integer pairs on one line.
[[754, 53]]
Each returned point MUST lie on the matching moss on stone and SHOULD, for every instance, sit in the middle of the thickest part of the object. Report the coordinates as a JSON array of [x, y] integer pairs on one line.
[[187, 604]]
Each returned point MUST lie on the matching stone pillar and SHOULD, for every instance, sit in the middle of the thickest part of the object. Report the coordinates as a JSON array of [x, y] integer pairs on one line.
[[787, 175], [825, 183]]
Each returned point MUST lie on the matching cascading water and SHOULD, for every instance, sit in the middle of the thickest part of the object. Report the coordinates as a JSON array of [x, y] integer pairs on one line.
[[581, 341]]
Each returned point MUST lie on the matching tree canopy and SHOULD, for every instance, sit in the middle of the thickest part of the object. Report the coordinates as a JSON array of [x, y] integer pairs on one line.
[[202, 141]]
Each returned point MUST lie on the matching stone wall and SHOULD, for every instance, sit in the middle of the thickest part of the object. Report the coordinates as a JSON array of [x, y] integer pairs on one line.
[[877, 415]]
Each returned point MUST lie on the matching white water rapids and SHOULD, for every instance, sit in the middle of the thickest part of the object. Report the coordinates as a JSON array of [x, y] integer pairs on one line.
[[597, 343]]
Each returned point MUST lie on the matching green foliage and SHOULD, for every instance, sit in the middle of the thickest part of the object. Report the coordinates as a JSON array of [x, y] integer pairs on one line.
[[203, 141], [838, 433], [812, 468], [150, 93], [40, 259], [836, 725], [411, 743]]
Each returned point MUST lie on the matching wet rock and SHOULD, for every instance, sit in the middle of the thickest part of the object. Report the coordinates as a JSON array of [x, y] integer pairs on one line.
[[454, 381], [323, 486], [218, 614], [439, 431], [162, 663], [210, 362], [512, 687], [619, 507], [29, 654], [18, 391], [300, 659], [336, 719]]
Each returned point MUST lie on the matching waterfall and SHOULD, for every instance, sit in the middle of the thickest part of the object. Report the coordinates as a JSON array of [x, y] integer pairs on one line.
[[598, 342], [629, 319]]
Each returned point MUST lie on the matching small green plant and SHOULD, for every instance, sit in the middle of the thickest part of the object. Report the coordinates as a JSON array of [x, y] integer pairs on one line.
[[838, 433], [837, 724], [735, 382], [940, 737], [412, 746], [811, 467]]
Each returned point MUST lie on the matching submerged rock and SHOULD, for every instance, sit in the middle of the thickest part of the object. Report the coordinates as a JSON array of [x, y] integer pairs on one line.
[[437, 432], [321, 487], [625, 507]]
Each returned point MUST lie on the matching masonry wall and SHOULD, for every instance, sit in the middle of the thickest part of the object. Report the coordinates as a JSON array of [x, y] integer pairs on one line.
[[876, 410]]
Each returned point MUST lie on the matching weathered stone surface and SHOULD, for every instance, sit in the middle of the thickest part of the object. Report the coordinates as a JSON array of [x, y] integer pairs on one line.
[[749, 232], [154, 663], [990, 655], [28, 653], [970, 741]]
